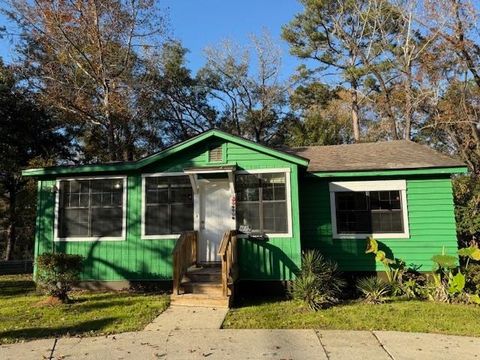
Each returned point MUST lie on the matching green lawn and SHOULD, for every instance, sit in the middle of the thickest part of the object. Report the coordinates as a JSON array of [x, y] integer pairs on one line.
[[412, 316], [90, 313]]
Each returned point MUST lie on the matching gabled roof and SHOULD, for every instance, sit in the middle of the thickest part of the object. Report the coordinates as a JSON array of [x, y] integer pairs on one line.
[[135, 165], [385, 155]]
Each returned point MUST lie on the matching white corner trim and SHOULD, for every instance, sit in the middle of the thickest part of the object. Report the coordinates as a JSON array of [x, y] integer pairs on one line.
[[387, 185], [56, 223], [143, 206]]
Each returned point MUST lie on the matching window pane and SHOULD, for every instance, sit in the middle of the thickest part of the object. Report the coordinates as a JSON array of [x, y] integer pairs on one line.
[[106, 222], [353, 222], [73, 223], [181, 195], [247, 186], [157, 220], [273, 186], [385, 200], [351, 201], [182, 218], [387, 221], [275, 217], [248, 216]]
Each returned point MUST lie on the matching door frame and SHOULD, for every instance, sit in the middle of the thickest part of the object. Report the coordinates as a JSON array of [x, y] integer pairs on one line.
[[197, 194]]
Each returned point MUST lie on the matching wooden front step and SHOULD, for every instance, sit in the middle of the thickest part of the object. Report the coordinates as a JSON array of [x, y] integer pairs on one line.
[[201, 286], [199, 300], [203, 275], [207, 288]]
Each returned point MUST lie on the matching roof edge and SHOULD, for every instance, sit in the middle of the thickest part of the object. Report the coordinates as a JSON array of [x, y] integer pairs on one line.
[[380, 172], [136, 165]]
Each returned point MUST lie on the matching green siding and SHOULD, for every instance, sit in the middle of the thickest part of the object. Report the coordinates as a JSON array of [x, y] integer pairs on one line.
[[430, 212], [431, 223], [137, 259]]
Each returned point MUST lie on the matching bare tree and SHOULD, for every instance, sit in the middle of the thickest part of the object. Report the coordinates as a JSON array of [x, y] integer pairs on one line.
[[253, 103], [87, 60]]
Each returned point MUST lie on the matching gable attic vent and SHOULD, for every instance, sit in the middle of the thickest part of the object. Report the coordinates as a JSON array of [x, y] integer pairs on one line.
[[215, 154]]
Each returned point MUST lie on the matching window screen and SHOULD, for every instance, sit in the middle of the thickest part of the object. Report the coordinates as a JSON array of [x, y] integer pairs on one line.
[[168, 205], [261, 203], [364, 212], [90, 208]]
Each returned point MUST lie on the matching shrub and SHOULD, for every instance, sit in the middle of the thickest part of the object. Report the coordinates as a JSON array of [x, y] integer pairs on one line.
[[319, 283], [413, 284], [374, 289], [472, 274], [56, 273]]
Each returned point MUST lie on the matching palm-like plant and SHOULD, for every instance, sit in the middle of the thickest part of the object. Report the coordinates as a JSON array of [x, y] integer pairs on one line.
[[319, 283], [374, 289]]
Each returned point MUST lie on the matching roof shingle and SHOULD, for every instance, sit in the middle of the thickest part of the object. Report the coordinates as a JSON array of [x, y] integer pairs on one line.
[[386, 155]]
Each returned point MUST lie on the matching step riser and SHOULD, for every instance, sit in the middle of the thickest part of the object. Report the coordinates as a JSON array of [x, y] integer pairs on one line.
[[211, 278], [199, 288], [184, 301]]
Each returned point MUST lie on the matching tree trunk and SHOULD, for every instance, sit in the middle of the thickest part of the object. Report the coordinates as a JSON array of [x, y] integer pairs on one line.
[[355, 113], [407, 133], [11, 229], [391, 117]]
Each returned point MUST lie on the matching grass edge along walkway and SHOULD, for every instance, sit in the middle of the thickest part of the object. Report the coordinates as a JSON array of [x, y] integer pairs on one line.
[[399, 315]]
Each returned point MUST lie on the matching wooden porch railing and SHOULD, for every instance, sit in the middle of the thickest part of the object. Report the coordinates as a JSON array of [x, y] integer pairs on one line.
[[184, 255], [228, 254]]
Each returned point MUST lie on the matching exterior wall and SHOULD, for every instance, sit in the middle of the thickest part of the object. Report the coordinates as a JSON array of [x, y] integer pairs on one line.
[[431, 222], [137, 259]]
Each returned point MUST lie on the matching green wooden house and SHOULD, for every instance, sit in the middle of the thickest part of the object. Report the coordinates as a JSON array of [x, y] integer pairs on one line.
[[218, 208]]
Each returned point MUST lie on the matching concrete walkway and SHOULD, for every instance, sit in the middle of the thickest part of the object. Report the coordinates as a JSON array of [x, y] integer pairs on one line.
[[193, 333]]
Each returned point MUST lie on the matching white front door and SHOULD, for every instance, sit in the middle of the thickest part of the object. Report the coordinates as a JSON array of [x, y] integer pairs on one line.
[[215, 217]]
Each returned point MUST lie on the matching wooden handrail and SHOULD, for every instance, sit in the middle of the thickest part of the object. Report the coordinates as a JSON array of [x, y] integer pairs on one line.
[[184, 255], [228, 255]]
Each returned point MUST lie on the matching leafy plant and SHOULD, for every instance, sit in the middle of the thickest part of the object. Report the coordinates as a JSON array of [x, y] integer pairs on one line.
[[472, 252], [394, 268], [319, 283], [472, 274], [413, 284], [374, 289], [57, 273], [448, 282]]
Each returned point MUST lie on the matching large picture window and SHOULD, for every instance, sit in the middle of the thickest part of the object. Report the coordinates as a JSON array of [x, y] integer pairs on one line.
[[369, 208], [168, 205], [262, 203], [91, 208]]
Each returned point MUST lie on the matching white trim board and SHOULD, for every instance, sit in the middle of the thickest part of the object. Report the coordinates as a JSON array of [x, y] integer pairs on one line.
[[123, 237], [386, 185]]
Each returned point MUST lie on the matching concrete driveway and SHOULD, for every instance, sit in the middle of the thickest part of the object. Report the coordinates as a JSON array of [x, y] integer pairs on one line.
[[193, 333]]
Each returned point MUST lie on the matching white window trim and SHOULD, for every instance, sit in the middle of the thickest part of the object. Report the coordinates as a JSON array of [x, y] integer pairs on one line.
[[56, 224], [386, 185], [155, 237], [287, 172]]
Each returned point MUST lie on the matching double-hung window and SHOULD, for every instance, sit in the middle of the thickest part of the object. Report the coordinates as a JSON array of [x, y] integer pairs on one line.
[[262, 203], [377, 208], [91, 209], [168, 205]]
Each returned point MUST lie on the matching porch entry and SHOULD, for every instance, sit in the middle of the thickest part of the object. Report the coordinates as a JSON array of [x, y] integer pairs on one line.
[[213, 193]]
